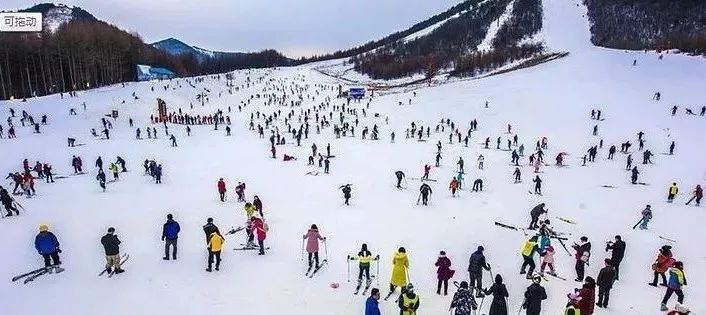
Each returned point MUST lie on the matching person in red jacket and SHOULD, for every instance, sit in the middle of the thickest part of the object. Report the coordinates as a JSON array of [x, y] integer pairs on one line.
[[222, 189], [664, 261], [443, 272], [29, 184], [261, 230], [588, 296]]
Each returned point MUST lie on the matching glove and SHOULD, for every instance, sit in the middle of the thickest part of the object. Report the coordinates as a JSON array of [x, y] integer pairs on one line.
[[162, 238]]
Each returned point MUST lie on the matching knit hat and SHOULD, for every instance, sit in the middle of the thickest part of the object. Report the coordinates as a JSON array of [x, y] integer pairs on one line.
[[43, 228]]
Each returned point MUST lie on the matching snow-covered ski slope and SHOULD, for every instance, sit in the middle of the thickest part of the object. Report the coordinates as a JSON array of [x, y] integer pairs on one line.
[[552, 100]]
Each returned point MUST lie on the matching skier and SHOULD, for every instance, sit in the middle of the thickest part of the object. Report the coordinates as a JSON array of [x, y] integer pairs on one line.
[[537, 185], [221, 189], [173, 139], [617, 249], [673, 190], [101, 179], [517, 174], [427, 168], [214, 246], [548, 260], [258, 205], [47, 245], [535, 213], [170, 235], [677, 279], [459, 179], [663, 262], [534, 296], [121, 162], [453, 186], [460, 165], [409, 301], [438, 159], [463, 301], [605, 280], [371, 304], [697, 194], [346, 189], [400, 263], [114, 168], [240, 191], [583, 253], [478, 185], [635, 172], [365, 257], [7, 202], [480, 161], [476, 264], [99, 163], [528, 251], [312, 238], [671, 148], [111, 245], [400, 176], [443, 273], [261, 230], [425, 192], [327, 163], [158, 174]]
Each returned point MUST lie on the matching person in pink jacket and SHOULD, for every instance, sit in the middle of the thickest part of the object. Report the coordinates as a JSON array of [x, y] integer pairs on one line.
[[548, 260], [312, 238]]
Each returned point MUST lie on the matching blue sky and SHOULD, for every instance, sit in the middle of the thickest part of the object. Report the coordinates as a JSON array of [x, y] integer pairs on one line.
[[300, 27]]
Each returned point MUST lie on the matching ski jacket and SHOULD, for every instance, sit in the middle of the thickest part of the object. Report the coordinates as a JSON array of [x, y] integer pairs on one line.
[[113, 168], [250, 210], [673, 190], [463, 302], [588, 300], [529, 248], [618, 250], [208, 229], [400, 263], [583, 251], [170, 230], [663, 263], [260, 228], [221, 186], [258, 204], [371, 307], [365, 258], [537, 211], [111, 244], [534, 296], [312, 238], [443, 271], [549, 255], [409, 303], [46, 243], [476, 262], [698, 192], [453, 184], [606, 277], [677, 278], [215, 243]]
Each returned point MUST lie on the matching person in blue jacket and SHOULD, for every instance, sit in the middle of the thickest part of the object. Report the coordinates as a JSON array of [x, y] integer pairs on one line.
[[170, 234], [48, 246], [371, 304]]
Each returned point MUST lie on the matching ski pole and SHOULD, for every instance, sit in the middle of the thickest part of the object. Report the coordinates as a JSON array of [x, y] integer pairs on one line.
[[348, 263], [638, 223], [377, 273], [325, 250], [302, 250]]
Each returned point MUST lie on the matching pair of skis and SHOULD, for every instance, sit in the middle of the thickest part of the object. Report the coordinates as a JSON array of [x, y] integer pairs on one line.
[[125, 257], [310, 273], [368, 283], [250, 247], [34, 274]]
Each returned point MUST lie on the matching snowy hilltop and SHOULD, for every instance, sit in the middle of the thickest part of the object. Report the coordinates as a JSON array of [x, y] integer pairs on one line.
[[275, 190]]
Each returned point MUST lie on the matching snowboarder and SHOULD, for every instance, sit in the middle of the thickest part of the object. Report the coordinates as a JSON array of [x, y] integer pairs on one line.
[[221, 189], [111, 246], [346, 189], [534, 295], [673, 190], [463, 301], [214, 246], [47, 245], [400, 263], [425, 192], [677, 279], [617, 249], [312, 238], [476, 264], [583, 253], [528, 251], [170, 235], [443, 273], [605, 280], [400, 176]]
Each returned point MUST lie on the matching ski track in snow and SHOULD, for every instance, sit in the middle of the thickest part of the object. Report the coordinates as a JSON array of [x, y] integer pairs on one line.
[[552, 100], [487, 43]]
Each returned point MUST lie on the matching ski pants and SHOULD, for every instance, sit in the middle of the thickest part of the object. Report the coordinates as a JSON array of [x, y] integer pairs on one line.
[[544, 266], [261, 243], [399, 182], [533, 223], [425, 198], [657, 274], [603, 296], [445, 284], [112, 261], [528, 261], [9, 208], [476, 278], [222, 195], [668, 294], [316, 258], [211, 256], [51, 259], [670, 197], [580, 269], [173, 244], [364, 269]]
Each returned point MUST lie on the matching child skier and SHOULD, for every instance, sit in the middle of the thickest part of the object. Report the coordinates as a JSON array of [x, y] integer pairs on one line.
[[312, 238], [548, 260]]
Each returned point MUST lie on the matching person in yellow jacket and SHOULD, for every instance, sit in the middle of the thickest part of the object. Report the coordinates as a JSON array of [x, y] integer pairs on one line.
[[400, 263], [250, 210], [528, 251], [673, 190], [215, 245], [409, 301], [114, 168]]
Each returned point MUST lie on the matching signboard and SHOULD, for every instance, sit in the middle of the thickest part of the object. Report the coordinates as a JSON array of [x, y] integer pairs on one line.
[[20, 22], [356, 92]]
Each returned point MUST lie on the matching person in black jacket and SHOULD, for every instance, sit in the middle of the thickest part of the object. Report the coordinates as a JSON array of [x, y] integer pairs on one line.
[[583, 253], [476, 264], [111, 245], [499, 292], [7, 202], [535, 213], [617, 254], [210, 228], [534, 296], [606, 278]]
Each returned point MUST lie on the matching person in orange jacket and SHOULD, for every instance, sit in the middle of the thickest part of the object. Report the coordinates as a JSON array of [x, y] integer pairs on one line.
[[453, 185]]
